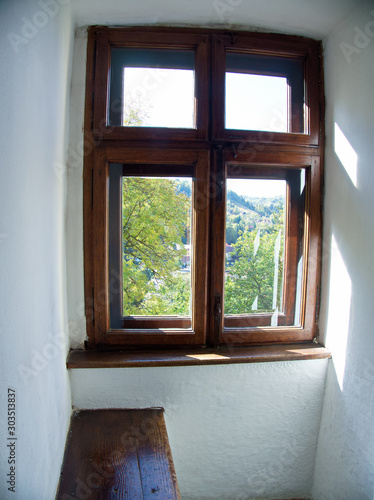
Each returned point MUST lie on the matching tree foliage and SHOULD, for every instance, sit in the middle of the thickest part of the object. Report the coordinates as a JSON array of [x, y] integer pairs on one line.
[[249, 282], [241, 200], [135, 112], [155, 229], [154, 221]]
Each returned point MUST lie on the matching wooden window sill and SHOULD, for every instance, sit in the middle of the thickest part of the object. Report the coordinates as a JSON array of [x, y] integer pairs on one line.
[[180, 357]]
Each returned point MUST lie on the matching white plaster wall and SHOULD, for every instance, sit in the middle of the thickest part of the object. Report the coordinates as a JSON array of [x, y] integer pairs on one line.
[[74, 205], [345, 458], [304, 17], [35, 87], [236, 431]]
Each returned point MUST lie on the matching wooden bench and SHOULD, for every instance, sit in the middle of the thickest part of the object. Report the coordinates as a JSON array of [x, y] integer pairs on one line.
[[118, 454]]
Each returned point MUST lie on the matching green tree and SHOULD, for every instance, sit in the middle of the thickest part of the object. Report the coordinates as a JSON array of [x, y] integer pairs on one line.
[[154, 221], [172, 296], [231, 233], [135, 112], [251, 276]]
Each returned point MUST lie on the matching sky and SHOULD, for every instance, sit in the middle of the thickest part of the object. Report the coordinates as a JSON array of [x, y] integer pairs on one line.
[[260, 188]]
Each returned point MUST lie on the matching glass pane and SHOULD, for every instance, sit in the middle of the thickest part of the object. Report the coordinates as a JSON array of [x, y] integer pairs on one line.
[[264, 93], [156, 242], [158, 97], [154, 88], [256, 102], [255, 242]]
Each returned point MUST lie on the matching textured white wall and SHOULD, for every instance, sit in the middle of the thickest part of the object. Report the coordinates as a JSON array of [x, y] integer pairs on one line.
[[345, 459], [304, 17], [35, 54], [236, 431], [74, 195]]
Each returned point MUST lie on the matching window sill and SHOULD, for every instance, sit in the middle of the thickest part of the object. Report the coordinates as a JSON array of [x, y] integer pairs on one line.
[[216, 356]]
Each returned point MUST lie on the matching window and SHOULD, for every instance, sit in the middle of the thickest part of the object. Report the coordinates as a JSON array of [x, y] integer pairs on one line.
[[202, 191], [152, 88]]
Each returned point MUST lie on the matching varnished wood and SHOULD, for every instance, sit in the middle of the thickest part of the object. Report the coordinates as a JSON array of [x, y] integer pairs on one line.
[[275, 152], [100, 245], [307, 51], [150, 337], [216, 356], [200, 221], [144, 322], [234, 337], [247, 329], [253, 320], [106, 38], [118, 454], [295, 233], [217, 245], [292, 245], [313, 272], [147, 331], [101, 84], [87, 195]]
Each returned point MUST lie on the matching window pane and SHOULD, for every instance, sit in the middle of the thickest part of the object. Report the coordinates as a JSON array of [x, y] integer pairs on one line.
[[256, 102], [156, 242], [158, 97], [255, 242], [154, 88], [264, 93]]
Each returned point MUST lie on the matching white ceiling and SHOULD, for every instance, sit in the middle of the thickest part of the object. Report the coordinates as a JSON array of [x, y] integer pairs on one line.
[[315, 18]]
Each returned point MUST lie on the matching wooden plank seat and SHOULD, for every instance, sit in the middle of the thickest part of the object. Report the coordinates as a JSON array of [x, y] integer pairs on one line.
[[118, 454]]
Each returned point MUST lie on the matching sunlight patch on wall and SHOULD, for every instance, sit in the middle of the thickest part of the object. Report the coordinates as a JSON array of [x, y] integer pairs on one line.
[[346, 154], [339, 311]]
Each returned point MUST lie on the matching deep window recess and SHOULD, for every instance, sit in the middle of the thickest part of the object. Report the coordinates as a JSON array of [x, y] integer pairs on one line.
[[202, 191]]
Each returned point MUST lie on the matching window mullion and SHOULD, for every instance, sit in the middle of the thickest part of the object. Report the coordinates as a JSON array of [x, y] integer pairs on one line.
[[217, 235]]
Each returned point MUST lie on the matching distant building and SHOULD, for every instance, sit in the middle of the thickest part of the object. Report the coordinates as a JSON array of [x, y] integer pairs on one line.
[[229, 250]]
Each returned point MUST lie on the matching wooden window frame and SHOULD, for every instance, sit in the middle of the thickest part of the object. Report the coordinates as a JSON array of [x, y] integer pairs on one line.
[[277, 47], [252, 330], [132, 323], [99, 50], [293, 240], [211, 151], [140, 330]]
